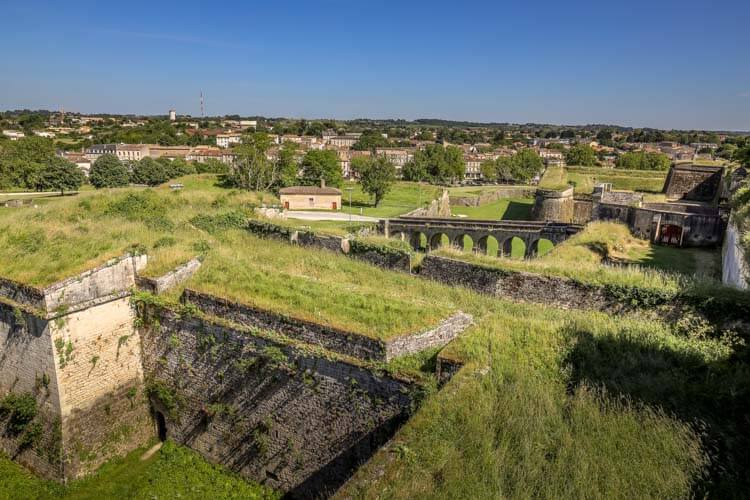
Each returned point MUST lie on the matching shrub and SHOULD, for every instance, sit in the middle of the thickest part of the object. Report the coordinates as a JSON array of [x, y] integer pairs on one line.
[[20, 410]]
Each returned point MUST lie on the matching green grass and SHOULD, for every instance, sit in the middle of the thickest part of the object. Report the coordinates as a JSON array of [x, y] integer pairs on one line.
[[552, 404], [173, 472], [319, 286], [402, 198], [503, 209], [584, 178], [543, 410]]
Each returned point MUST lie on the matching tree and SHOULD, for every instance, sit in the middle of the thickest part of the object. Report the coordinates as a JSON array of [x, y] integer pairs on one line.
[[252, 169], [436, 164], [369, 140], [581, 154], [640, 160], [108, 171], [504, 167], [488, 168], [321, 164], [287, 164], [376, 175], [60, 174], [22, 161], [526, 164], [148, 171]]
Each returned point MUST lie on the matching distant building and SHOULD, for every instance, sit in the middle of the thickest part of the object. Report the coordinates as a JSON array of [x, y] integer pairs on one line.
[[131, 152], [44, 133], [79, 159], [473, 170], [398, 156], [310, 197], [204, 153], [96, 150], [159, 151], [227, 140], [344, 141], [13, 135], [172, 115]]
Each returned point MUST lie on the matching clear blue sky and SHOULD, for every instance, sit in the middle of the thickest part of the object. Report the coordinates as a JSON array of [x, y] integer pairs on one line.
[[668, 64]]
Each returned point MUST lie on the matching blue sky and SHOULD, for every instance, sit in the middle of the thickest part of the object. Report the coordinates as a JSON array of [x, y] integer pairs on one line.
[[665, 64]]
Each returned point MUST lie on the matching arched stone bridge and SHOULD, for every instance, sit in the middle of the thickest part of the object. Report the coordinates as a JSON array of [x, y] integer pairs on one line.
[[425, 233]]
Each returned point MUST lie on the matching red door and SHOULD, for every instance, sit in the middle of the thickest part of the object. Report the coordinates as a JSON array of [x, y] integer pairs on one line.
[[286, 205], [334, 205]]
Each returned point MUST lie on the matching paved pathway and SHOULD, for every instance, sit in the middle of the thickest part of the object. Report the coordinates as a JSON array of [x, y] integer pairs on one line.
[[315, 215]]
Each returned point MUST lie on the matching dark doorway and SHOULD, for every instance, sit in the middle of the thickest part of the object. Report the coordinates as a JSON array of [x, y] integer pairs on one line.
[[161, 426], [671, 235]]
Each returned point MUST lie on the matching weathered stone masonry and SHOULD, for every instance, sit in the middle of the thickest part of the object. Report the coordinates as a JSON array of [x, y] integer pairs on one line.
[[340, 341], [79, 355], [279, 413]]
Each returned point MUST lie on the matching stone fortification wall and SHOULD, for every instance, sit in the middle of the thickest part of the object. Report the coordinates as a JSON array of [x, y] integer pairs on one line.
[[727, 310], [735, 270], [582, 211], [80, 358], [382, 256], [100, 376], [693, 182], [173, 278], [437, 208], [27, 369], [498, 193], [282, 415], [552, 205], [333, 339]]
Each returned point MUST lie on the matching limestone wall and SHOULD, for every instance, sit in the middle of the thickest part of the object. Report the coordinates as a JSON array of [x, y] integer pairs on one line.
[[437, 208], [100, 284], [735, 270], [552, 205], [282, 415], [99, 369], [171, 279], [27, 367], [340, 341], [79, 355]]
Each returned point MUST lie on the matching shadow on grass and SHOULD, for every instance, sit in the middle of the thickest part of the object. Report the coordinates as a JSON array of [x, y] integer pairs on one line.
[[517, 211], [714, 398]]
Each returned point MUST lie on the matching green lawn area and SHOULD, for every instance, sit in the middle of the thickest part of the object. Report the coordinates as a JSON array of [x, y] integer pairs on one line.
[[402, 198], [584, 178], [173, 472], [503, 209]]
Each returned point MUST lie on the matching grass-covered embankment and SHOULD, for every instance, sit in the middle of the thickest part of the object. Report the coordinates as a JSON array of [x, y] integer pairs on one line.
[[585, 178], [173, 472], [573, 405]]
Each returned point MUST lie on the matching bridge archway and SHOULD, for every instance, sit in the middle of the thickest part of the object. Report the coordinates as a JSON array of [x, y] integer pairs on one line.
[[418, 241], [487, 245], [514, 247], [399, 235], [463, 242], [540, 247], [438, 240]]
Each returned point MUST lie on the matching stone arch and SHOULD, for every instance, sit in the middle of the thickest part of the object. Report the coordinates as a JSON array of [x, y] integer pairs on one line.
[[514, 247], [463, 242], [399, 235], [542, 247], [487, 245], [418, 240], [438, 240]]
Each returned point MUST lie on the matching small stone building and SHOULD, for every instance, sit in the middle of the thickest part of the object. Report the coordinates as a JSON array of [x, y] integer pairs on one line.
[[310, 197]]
